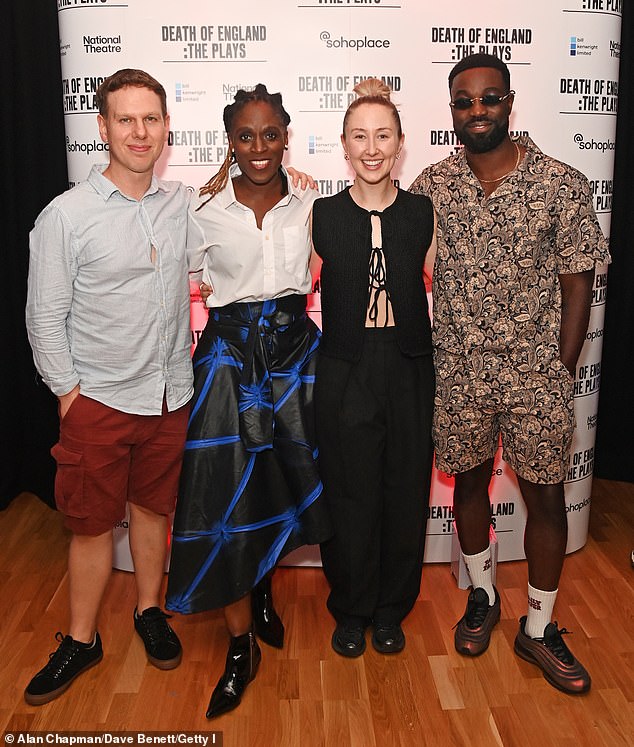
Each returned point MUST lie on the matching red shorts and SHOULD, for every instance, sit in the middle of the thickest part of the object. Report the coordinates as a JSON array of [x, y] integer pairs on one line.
[[106, 458]]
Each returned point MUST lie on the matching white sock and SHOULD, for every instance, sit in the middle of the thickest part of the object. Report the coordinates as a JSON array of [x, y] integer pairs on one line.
[[479, 567], [540, 611]]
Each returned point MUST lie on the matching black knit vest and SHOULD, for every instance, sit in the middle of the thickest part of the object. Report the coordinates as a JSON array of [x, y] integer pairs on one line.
[[342, 236]]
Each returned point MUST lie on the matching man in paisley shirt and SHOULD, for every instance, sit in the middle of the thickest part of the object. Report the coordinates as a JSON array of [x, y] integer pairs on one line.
[[518, 242]]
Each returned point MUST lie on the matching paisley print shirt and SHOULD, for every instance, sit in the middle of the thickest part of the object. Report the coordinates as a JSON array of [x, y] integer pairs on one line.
[[495, 287]]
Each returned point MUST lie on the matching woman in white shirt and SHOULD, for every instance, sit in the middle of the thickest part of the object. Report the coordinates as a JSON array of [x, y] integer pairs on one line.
[[250, 490]]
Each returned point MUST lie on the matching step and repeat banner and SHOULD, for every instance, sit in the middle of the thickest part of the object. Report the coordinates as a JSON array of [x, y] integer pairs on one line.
[[563, 57]]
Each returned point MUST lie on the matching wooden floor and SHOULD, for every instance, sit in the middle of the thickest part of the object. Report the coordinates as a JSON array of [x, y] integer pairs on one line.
[[307, 695]]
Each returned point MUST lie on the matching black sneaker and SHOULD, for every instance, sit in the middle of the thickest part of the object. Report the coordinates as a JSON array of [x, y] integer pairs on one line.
[[388, 639], [349, 641], [161, 643], [69, 661], [473, 630], [554, 658]]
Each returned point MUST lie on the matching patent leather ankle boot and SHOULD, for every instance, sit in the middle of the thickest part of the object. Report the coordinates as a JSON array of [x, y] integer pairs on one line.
[[266, 621], [243, 659]]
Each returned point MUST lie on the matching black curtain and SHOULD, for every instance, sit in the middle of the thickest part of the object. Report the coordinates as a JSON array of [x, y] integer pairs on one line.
[[614, 453], [33, 157]]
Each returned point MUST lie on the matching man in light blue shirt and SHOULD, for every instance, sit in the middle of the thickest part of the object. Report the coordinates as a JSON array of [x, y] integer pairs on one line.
[[108, 321]]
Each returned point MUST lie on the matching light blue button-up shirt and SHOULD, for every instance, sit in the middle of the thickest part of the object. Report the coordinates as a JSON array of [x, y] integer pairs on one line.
[[100, 312]]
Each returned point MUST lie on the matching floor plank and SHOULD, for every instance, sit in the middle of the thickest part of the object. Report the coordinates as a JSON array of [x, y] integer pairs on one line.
[[306, 695]]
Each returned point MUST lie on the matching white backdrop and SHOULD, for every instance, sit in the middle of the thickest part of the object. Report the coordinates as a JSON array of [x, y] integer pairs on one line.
[[563, 58]]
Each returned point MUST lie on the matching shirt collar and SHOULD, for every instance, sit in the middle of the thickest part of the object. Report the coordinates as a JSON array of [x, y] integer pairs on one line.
[[103, 186], [227, 197], [461, 164]]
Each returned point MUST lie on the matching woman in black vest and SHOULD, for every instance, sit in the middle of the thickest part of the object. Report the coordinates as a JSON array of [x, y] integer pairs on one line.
[[375, 381]]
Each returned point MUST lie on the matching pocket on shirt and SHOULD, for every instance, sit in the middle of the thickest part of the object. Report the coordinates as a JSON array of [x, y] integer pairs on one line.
[[176, 237], [296, 251], [69, 482]]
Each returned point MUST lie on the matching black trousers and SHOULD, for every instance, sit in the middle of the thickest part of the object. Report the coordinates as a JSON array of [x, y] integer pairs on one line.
[[375, 459]]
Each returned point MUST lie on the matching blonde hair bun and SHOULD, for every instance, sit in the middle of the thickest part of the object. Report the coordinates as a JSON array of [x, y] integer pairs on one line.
[[373, 91], [373, 87]]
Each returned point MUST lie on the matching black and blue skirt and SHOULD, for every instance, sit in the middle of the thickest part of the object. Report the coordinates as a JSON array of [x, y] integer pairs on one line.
[[250, 490]]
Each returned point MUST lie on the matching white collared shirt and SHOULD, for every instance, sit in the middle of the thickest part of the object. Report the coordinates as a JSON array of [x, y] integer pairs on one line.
[[242, 262]]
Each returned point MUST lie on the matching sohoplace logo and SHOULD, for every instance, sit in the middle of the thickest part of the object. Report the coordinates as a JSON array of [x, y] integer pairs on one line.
[[601, 145], [362, 42], [94, 146]]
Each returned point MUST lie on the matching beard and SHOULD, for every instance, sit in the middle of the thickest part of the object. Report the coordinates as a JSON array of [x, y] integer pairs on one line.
[[483, 142]]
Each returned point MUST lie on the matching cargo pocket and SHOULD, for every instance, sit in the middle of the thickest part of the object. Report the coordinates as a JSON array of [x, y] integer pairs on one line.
[[69, 482]]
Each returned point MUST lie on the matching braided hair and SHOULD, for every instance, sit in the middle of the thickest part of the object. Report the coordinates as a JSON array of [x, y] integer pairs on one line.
[[219, 181]]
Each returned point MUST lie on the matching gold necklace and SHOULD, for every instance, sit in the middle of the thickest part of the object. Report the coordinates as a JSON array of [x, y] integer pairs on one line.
[[508, 173]]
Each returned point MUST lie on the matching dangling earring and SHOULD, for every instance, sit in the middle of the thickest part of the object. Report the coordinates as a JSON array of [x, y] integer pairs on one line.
[[398, 155], [346, 156], [286, 147]]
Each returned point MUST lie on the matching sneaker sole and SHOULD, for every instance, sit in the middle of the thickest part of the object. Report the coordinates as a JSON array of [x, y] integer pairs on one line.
[[47, 697], [527, 656], [165, 664]]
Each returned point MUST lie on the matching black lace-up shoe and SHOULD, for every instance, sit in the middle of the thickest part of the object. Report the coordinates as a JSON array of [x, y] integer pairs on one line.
[[349, 641], [161, 643], [388, 639], [69, 661], [554, 658], [473, 630]]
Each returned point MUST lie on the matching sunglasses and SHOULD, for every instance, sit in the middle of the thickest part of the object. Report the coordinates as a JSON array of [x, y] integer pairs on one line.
[[489, 99]]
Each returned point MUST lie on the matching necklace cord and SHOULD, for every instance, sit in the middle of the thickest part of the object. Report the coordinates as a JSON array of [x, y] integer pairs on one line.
[[508, 173]]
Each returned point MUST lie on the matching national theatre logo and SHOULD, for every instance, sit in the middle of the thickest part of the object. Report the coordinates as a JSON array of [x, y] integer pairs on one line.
[[102, 44]]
